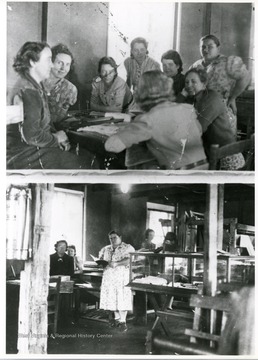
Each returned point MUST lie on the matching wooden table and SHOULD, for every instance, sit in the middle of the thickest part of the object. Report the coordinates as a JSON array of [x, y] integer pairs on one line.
[[161, 310]]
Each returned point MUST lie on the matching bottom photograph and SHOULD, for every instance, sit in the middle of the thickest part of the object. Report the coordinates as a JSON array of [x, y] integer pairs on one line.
[[130, 269]]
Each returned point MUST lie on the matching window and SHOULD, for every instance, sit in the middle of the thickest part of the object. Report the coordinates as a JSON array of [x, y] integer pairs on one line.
[[161, 219], [130, 20], [68, 219]]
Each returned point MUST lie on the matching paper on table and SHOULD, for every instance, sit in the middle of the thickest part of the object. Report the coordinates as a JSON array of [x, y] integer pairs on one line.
[[125, 117], [108, 129]]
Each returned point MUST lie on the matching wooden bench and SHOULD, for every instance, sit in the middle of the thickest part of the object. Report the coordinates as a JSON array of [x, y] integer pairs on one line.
[[210, 315]]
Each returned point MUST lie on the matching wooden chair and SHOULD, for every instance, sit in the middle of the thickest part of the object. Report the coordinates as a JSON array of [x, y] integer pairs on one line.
[[210, 316], [244, 146], [53, 306], [14, 114]]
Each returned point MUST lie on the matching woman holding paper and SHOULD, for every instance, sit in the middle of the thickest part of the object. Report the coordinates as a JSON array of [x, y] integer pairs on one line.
[[109, 92], [114, 294]]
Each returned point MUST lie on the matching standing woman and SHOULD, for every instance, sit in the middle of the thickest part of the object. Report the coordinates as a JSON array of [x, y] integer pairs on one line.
[[34, 143], [227, 75], [109, 93], [173, 66], [114, 294], [139, 62], [61, 93]]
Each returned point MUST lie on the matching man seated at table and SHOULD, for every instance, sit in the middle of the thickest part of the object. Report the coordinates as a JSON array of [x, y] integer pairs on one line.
[[61, 92], [60, 262]]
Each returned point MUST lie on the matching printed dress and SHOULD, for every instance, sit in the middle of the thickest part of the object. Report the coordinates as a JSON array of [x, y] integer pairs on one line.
[[223, 72], [61, 96], [117, 96], [134, 70], [114, 294]]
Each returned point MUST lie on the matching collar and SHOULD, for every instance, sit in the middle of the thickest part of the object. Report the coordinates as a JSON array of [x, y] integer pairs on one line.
[[33, 81], [215, 61]]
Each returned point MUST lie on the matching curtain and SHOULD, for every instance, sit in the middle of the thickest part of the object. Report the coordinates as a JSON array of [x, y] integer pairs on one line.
[[18, 223]]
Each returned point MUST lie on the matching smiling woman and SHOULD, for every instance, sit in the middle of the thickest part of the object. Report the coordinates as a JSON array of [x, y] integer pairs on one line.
[[34, 143], [61, 92], [109, 93]]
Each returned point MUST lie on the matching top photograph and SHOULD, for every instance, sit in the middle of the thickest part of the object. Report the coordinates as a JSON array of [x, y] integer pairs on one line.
[[130, 86]]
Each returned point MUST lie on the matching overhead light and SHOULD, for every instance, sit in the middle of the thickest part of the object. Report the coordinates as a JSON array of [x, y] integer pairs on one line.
[[125, 188]]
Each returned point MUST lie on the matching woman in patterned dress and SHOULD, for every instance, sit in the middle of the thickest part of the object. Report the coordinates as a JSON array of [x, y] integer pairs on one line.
[[61, 93], [139, 62], [110, 93], [114, 294], [227, 75]]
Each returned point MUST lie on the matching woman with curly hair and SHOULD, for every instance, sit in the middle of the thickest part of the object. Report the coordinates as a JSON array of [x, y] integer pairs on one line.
[[61, 92], [109, 93], [173, 66], [171, 131], [34, 142]]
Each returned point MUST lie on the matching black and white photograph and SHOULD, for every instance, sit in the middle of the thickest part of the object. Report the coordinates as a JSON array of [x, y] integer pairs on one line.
[[130, 269], [116, 85], [128, 165]]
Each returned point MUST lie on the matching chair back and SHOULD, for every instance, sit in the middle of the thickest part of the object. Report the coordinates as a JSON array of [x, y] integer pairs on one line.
[[14, 114], [217, 153], [53, 305], [210, 317]]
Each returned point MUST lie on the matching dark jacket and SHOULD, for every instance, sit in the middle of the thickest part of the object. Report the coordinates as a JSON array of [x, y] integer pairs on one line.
[[213, 116], [61, 265], [36, 128]]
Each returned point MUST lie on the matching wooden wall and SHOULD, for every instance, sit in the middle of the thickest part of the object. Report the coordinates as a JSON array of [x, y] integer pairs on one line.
[[83, 26], [23, 24], [230, 22]]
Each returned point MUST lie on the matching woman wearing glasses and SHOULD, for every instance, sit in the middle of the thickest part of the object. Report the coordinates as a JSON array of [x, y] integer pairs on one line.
[[109, 93]]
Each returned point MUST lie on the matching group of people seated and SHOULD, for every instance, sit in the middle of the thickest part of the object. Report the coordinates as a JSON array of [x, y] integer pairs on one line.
[[65, 261], [177, 116]]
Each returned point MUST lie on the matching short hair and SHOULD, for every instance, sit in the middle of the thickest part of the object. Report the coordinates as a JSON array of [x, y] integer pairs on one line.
[[72, 247], [114, 232], [61, 49], [153, 88], [29, 51], [203, 76], [175, 56], [107, 61], [140, 40], [211, 37], [147, 232], [61, 241]]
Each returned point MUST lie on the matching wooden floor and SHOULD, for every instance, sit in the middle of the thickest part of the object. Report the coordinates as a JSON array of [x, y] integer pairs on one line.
[[91, 336]]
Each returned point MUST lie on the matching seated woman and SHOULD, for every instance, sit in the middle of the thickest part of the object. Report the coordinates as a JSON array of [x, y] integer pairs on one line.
[[61, 92], [173, 66], [139, 62], [114, 294], [34, 143], [147, 244], [109, 92], [171, 131], [227, 75], [213, 116], [78, 263]]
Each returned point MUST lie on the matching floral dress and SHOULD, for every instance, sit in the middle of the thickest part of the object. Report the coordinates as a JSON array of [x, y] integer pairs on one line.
[[61, 96], [114, 294], [134, 70], [223, 72]]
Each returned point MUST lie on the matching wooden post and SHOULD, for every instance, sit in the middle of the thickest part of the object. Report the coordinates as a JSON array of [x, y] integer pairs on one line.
[[32, 327], [220, 216], [210, 241]]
